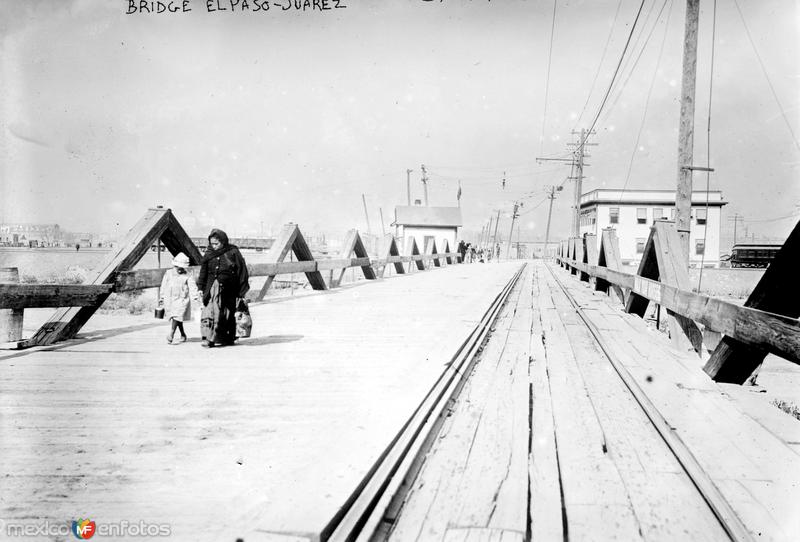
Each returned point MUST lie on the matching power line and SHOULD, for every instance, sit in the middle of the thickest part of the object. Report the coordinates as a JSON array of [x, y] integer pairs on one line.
[[647, 100], [547, 80], [621, 89], [614, 77], [599, 66], [708, 139], [766, 75]]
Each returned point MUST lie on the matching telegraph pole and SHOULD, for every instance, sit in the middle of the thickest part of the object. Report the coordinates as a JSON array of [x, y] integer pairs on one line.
[[736, 217], [486, 242], [494, 241], [364, 201], [511, 233], [579, 154], [577, 164], [683, 195], [551, 197], [408, 185], [425, 183]]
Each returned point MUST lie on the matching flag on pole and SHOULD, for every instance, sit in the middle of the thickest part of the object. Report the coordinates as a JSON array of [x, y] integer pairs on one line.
[[458, 196]]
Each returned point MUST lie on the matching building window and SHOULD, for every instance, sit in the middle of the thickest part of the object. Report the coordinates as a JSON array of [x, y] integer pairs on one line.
[[700, 247], [672, 214], [640, 241], [613, 215], [701, 215], [641, 215], [658, 212]]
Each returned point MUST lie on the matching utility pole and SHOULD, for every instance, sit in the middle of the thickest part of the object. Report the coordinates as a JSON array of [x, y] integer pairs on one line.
[[683, 194], [579, 155], [408, 185], [551, 197], [364, 201], [494, 241], [425, 183], [577, 164], [736, 217], [511, 233], [491, 218]]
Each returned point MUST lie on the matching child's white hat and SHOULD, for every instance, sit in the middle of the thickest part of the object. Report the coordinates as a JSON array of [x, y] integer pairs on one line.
[[181, 260]]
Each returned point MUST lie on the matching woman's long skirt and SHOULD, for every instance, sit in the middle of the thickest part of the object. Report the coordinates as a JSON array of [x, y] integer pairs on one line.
[[218, 321]]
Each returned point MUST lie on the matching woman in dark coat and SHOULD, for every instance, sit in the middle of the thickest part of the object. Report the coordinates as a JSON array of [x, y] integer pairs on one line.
[[223, 279]]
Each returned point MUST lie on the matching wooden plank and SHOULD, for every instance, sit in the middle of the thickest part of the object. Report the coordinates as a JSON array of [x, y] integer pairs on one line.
[[353, 245], [476, 470], [608, 257], [176, 240], [663, 497], [546, 504], [719, 435], [169, 423], [597, 505], [431, 253], [413, 252], [66, 322], [11, 319], [582, 257], [52, 295], [777, 292], [777, 334], [289, 238]]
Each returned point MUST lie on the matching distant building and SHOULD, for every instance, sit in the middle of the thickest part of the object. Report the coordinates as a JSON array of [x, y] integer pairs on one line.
[[424, 223], [527, 249], [632, 212], [31, 235]]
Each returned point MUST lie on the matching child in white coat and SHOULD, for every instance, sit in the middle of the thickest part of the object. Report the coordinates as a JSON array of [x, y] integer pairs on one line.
[[177, 287]]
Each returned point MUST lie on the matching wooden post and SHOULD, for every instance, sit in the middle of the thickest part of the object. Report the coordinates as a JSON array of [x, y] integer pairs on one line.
[[683, 195], [777, 292], [662, 261], [609, 258], [589, 253], [10, 319]]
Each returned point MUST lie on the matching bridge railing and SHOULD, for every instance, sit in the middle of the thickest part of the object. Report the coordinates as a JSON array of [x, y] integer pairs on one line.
[[77, 303], [767, 323]]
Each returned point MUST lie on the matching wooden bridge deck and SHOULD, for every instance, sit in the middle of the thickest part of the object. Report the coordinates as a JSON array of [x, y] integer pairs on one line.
[[271, 434], [267, 439]]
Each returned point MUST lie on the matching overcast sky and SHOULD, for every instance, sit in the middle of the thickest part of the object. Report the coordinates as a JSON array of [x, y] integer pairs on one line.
[[236, 119]]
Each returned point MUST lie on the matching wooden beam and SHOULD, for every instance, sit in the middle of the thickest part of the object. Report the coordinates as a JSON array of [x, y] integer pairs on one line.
[[33, 296], [412, 250], [588, 252], [608, 256], [663, 260], [777, 292], [11, 319], [354, 245], [778, 334], [67, 321], [432, 253]]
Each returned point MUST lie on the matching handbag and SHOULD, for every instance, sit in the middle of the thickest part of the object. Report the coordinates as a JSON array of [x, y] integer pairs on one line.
[[244, 322]]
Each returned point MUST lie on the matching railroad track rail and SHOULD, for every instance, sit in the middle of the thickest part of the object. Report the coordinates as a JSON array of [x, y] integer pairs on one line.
[[361, 518], [716, 501]]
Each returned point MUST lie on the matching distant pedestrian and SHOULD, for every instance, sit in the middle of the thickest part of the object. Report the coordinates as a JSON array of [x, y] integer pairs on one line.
[[471, 253], [177, 287], [462, 249], [77, 246], [223, 280]]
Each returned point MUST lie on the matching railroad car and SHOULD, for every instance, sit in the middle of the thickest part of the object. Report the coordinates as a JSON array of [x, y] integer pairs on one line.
[[753, 255]]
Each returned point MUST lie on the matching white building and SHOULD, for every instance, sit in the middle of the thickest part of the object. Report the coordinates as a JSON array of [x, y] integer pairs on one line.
[[424, 223], [632, 212]]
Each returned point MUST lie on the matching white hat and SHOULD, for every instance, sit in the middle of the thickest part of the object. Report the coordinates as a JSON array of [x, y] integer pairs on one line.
[[181, 260]]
